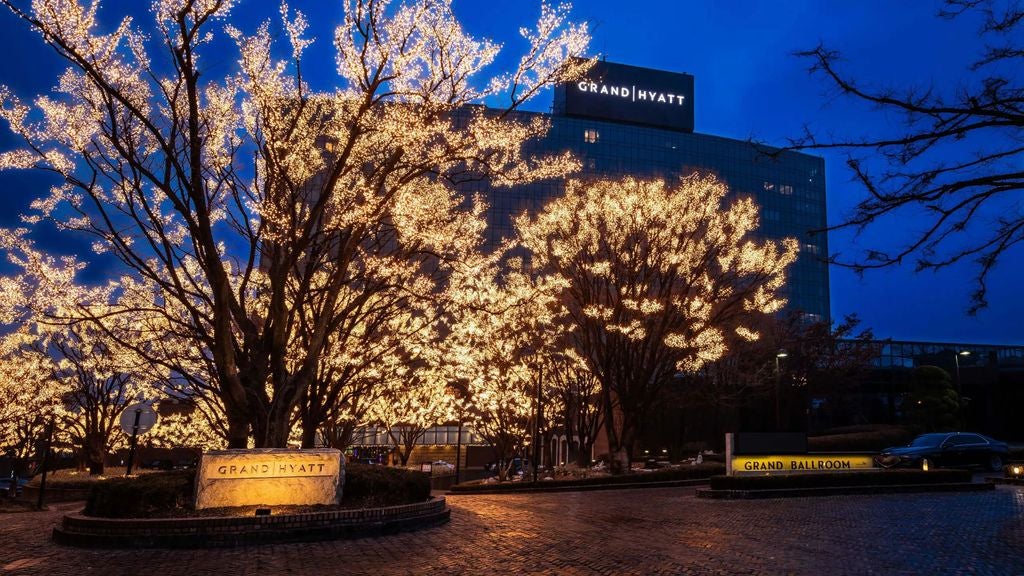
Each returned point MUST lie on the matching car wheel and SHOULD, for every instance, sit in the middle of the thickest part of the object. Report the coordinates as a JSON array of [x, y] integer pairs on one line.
[[995, 463]]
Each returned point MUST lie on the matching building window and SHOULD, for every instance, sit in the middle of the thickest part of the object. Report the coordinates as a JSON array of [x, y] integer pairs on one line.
[[769, 186], [809, 248], [785, 190], [591, 164], [590, 136]]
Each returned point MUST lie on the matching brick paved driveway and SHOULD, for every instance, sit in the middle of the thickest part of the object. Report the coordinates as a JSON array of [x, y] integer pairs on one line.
[[662, 531]]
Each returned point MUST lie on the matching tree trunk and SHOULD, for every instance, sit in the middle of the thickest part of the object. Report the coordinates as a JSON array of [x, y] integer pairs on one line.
[[94, 450], [619, 461], [238, 429], [620, 441], [308, 434], [584, 454]]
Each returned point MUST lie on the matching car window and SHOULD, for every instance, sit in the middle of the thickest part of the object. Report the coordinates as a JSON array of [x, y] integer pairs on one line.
[[927, 440], [970, 439]]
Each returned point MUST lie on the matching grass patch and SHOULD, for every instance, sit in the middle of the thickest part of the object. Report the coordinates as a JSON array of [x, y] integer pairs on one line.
[[71, 479], [844, 479], [688, 472]]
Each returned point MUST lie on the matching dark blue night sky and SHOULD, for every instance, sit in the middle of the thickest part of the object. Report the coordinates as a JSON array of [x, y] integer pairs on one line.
[[748, 84]]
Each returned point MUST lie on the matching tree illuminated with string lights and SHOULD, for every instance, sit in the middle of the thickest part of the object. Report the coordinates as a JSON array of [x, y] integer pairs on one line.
[[656, 277], [248, 206]]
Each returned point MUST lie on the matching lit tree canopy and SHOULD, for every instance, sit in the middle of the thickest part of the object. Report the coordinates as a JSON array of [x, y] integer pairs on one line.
[[28, 396], [655, 280], [244, 201], [500, 330]]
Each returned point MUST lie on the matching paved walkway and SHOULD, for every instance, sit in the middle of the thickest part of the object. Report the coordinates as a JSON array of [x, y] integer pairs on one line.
[[661, 531]]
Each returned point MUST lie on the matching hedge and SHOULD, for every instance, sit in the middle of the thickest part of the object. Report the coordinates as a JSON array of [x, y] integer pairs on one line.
[[861, 439], [694, 472], [372, 486], [162, 494], [864, 478], [141, 496]]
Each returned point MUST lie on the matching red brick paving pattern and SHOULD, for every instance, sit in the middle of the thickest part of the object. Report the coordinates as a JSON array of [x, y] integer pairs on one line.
[[662, 531]]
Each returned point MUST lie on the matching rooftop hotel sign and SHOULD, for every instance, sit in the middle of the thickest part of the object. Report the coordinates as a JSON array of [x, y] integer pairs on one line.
[[268, 476], [630, 94]]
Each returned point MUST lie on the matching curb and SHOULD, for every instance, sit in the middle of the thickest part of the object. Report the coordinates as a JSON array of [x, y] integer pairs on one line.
[[842, 491], [581, 488], [225, 532], [1005, 481]]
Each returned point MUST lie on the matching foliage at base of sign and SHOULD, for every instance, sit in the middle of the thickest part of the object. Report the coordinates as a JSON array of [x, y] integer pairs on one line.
[[142, 496], [170, 494], [686, 472], [372, 486], [844, 479]]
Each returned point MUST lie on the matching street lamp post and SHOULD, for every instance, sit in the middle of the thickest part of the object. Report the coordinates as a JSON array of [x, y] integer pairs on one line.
[[778, 388], [959, 387], [536, 425], [956, 361]]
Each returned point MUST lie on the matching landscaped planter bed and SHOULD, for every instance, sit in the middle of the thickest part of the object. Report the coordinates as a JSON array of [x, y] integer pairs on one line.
[[155, 510], [866, 482], [227, 531], [682, 476]]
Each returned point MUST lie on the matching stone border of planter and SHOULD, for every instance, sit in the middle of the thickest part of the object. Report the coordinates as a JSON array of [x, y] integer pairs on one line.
[[1005, 481], [842, 491], [230, 531]]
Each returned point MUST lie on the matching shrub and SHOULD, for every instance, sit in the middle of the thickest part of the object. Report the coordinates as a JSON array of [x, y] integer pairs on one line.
[[861, 439], [865, 478], [371, 486], [141, 496]]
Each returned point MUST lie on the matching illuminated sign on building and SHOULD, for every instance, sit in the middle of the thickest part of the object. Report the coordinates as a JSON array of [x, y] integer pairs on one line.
[[630, 94]]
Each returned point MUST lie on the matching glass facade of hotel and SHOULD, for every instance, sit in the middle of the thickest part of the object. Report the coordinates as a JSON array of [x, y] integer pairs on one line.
[[989, 379], [789, 188]]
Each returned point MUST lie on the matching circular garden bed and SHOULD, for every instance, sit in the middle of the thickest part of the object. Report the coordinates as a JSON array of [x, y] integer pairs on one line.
[[155, 510]]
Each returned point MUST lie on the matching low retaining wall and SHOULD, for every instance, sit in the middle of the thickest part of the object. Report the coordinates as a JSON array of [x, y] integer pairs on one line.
[[214, 532]]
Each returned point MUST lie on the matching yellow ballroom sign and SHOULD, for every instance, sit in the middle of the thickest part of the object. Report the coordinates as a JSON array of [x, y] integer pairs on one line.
[[782, 464]]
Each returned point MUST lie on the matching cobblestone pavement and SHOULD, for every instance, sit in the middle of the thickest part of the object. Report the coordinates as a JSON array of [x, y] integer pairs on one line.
[[661, 531]]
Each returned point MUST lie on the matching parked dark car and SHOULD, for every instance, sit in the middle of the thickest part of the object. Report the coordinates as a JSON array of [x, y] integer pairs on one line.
[[947, 449], [164, 464]]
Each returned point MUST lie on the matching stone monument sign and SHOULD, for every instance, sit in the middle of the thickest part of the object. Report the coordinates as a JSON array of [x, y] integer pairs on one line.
[[269, 476]]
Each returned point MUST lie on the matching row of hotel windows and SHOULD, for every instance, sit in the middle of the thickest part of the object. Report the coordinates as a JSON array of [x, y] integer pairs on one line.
[[438, 435], [593, 136]]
